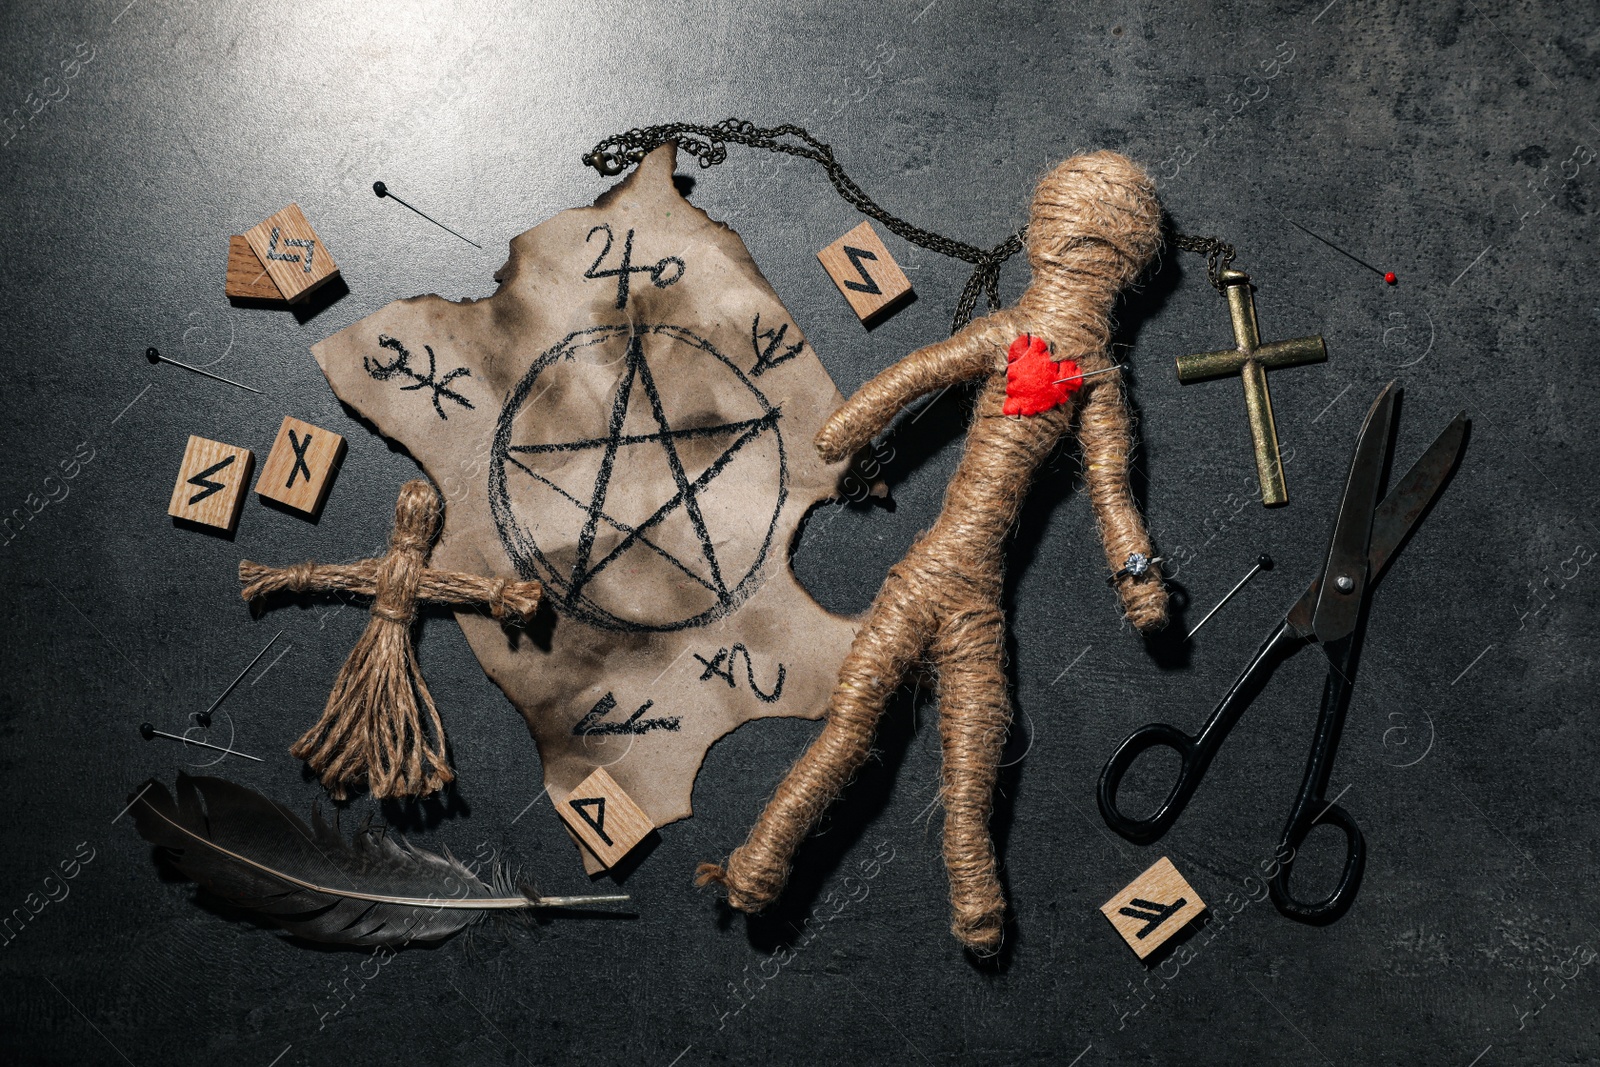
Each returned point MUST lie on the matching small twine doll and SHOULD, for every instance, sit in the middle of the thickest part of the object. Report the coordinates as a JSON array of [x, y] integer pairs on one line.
[[380, 727], [1093, 226]]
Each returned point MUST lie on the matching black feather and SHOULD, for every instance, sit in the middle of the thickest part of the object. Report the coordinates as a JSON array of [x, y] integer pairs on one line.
[[373, 889]]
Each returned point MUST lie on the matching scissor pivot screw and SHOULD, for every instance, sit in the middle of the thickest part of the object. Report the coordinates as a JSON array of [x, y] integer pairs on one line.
[[1344, 583]]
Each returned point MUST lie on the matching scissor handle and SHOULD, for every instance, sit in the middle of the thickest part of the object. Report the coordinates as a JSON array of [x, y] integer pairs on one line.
[[1336, 903], [1191, 770], [1311, 807], [1194, 753]]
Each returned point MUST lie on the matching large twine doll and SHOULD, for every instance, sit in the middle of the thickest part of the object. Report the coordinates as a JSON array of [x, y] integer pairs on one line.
[[1093, 227]]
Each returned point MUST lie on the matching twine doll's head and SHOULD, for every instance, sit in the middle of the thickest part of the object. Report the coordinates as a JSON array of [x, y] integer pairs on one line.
[[1096, 214]]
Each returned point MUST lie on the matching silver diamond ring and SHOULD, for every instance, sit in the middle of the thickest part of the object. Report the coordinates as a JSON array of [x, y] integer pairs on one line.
[[1137, 565]]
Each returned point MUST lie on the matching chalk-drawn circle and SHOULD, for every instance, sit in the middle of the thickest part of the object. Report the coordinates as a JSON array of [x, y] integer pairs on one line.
[[586, 455]]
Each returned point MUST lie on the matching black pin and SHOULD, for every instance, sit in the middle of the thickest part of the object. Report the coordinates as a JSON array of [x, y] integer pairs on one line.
[[1387, 276], [204, 718], [149, 732], [1263, 563], [383, 191], [155, 356]]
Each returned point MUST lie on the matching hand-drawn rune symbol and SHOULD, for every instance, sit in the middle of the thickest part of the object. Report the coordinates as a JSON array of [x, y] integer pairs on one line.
[[598, 819], [299, 446], [659, 276], [722, 666], [402, 366], [203, 480], [765, 359], [591, 726], [866, 284], [1152, 913], [292, 257], [696, 431]]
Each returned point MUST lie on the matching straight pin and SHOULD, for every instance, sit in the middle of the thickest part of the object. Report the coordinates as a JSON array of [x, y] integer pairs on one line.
[[1091, 374], [155, 356], [1387, 276], [383, 191], [148, 731], [1263, 563], [204, 718]]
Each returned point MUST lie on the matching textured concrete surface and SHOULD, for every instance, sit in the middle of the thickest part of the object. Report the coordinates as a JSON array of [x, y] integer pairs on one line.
[[1452, 143]]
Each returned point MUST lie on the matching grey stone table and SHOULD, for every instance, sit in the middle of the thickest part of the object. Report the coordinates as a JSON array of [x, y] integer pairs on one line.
[[1452, 144]]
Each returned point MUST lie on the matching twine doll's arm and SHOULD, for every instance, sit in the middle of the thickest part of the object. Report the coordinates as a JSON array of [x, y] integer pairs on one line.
[[507, 600], [1103, 431], [972, 353], [259, 580]]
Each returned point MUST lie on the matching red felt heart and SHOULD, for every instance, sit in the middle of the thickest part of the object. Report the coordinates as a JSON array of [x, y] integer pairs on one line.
[[1034, 381]]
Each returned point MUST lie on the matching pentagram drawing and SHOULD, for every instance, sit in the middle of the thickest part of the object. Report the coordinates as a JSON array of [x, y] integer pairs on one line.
[[648, 459], [586, 509]]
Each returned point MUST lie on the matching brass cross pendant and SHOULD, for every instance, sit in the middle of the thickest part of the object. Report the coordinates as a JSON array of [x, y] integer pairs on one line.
[[1250, 361]]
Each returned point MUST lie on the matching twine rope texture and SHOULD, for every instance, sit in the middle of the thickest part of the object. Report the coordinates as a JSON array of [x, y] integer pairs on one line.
[[380, 726], [1094, 225]]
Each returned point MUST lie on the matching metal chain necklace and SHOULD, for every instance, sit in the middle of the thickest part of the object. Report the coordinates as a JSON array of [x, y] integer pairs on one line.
[[1218, 253], [708, 144]]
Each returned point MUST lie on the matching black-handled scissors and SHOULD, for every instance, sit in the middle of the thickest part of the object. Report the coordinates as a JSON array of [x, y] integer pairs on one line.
[[1366, 535]]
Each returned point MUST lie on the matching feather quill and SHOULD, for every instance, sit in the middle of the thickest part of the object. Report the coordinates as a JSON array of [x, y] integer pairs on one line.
[[372, 889]]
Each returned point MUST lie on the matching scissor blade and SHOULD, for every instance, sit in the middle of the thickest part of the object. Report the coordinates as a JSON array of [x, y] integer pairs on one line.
[[1397, 514], [1407, 501], [1345, 574]]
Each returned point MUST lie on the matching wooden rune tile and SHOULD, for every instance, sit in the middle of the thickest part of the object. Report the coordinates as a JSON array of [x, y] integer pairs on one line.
[[247, 278], [211, 483], [1153, 907], [299, 470], [604, 818], [865, 272], [292, 253]]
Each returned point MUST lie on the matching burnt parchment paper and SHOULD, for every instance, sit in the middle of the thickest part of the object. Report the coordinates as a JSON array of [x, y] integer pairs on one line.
[[627, 419]]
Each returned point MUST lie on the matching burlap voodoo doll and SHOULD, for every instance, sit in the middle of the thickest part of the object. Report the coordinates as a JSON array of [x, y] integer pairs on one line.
[[1093, 226], [380, 727]]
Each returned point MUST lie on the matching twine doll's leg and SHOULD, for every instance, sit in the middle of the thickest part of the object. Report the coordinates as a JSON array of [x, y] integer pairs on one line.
[[1106, 439], [974, 713], [894, 636]]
